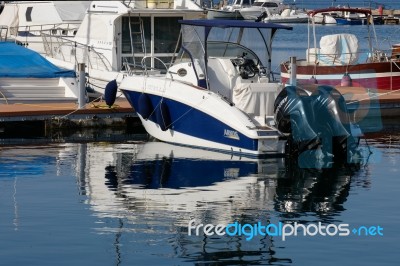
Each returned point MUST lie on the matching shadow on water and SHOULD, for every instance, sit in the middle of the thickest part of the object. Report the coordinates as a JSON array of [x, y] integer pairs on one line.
[[179, 184]]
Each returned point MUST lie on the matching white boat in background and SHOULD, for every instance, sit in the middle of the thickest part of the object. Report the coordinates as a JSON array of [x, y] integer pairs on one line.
[[114, 36], [25, 22], [288, 15], [259, 6], [325, 18], [27, 77], [336, 59], [229, 11]]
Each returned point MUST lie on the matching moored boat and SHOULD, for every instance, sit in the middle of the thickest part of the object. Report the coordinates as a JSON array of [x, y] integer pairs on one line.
[[229, 11], [27, 77], [338, 60], [219, 94], [259, 6], [110, 37]]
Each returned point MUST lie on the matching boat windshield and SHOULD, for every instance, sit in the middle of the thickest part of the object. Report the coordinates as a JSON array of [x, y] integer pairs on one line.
[[233, 42], [230, 50]]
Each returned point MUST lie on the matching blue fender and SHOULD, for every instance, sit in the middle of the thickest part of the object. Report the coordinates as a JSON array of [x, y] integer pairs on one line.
[[145, 107], [110, 92], [163, 116]]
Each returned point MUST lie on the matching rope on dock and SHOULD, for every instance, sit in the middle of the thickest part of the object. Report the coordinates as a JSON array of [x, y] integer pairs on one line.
[[5, 98], [93, 105], [373, 96]]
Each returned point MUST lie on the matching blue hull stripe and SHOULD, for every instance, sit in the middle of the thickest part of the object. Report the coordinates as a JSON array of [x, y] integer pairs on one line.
[[193, 122]]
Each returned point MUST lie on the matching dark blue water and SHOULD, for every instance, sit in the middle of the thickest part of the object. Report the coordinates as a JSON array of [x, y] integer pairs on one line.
[[131, 203]]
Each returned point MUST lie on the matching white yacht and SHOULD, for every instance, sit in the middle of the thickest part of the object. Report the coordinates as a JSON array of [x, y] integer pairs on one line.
[[231, 10], [112, 37], [24, 22], [259, 6]]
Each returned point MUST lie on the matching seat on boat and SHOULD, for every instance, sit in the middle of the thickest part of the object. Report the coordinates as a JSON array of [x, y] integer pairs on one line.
[[222, 76], [256, 98], [335, 49]]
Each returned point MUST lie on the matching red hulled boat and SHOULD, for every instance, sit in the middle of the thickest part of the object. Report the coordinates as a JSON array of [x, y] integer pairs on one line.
[[337, 61]]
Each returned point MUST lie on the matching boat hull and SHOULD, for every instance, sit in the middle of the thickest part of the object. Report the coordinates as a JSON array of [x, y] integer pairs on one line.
[[345, 21], [200, 118], [223, 14], [381, 75]]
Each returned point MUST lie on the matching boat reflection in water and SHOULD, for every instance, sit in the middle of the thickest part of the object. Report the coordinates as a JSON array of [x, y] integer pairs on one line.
[[157, 188]]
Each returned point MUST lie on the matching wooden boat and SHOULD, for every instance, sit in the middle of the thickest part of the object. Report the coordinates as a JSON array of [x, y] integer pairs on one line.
[[337, 60]]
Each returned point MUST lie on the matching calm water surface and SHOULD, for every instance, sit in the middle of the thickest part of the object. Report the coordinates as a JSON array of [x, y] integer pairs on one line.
[[130, 203]]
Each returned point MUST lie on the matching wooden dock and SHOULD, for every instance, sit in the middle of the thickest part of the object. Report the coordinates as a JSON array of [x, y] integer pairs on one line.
[[362, 103], [371, 103], [64, 110], [43, 119]]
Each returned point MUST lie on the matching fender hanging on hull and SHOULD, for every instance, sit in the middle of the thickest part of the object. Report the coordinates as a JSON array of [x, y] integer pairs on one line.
[[163, 116], [110, 92], [145, 107]]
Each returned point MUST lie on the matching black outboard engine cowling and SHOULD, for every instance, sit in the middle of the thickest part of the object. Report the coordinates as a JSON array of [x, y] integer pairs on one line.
[[313, 119], [292, 114], [332, 121]]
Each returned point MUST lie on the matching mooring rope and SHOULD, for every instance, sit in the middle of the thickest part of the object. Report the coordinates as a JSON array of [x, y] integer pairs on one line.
[[373, 96], [5, 98]]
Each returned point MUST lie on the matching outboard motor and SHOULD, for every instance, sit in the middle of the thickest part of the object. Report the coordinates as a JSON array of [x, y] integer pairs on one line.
[[314, 119], [293, 116], [332, 121]]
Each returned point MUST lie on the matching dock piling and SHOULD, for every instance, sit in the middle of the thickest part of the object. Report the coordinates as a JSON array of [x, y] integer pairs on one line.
[[82, 87], [293, 71]]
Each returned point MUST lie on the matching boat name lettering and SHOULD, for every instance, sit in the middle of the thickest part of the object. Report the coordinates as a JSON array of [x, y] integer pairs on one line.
[[104, 42], [232, 134], [154, 88]]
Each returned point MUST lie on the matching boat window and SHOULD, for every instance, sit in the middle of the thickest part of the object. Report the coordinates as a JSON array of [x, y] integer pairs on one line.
[[183, 56], [229, 50], [166, 33], [247, 2], [136, 36], [267, 4], [250, 41], [28, 13]]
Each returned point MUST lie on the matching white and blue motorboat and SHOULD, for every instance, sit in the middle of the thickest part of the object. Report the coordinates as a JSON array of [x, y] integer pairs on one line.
[[219, 94]]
